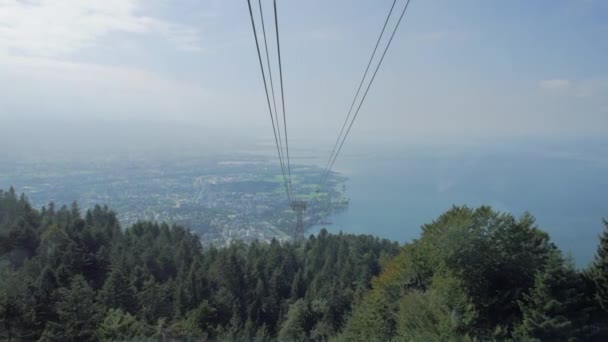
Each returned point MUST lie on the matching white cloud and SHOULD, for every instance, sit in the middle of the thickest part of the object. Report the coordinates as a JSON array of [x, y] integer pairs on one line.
[[52, 87], [57, 27], [554, 84], [580, 89]]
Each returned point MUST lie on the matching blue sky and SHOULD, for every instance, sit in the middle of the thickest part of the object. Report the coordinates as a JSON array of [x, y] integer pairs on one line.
[[458, 70]]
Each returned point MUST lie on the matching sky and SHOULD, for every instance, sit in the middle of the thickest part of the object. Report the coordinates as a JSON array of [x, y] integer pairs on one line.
[[458, 71]]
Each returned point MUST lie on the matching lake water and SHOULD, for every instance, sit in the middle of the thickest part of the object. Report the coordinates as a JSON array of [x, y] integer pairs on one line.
[[564, 186]]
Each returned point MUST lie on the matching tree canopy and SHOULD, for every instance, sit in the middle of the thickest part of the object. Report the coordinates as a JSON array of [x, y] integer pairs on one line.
[[68, 276], [474, 274], [479, 274]]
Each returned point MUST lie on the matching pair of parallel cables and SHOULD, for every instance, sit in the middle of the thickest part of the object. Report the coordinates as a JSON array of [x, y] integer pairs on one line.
[[350, 117], [357, 102], [284, 159]]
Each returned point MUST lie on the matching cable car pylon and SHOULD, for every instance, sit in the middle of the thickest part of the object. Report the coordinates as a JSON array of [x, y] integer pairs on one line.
[[299, 207]]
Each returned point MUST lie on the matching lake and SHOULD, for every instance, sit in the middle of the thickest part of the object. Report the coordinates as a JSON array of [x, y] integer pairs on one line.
[[392, 193]]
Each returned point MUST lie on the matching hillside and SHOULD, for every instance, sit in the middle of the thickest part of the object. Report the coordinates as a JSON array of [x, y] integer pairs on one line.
[[473, 274], [68, 276]]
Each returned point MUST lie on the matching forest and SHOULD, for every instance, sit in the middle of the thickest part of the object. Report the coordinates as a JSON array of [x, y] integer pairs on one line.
[[473, 274]]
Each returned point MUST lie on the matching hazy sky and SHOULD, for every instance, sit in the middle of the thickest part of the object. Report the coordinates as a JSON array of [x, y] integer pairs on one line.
[[457, 69]]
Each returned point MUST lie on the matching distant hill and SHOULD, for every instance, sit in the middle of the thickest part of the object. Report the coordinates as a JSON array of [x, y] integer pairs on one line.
[[473, 274]]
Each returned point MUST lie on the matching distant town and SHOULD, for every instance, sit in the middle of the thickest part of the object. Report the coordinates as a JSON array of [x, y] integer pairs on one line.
[[220, 199]]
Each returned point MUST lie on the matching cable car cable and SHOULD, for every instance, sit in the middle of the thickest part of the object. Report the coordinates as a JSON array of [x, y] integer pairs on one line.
[[368, 86], [276, 23], [326, 169], [255, 35], [276, 118]]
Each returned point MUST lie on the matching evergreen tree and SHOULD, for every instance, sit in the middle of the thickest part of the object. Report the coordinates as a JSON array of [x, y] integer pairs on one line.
[[473, 272], [118, 291], [118, 325], [552, 310], [10, 306], [600, 270], [293, 328], [155, 300], [78, 314]]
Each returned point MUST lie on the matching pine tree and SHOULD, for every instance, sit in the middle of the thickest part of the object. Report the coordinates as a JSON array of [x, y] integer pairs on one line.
[[156, 300], [78, 315], [552, 310], [293, 327], [600, 270], [118, 325], [298, 287], [118, 292], [39, 299], [10, 306]]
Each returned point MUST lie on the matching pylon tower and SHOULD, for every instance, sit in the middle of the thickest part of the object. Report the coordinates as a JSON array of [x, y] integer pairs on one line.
[[299, 207]]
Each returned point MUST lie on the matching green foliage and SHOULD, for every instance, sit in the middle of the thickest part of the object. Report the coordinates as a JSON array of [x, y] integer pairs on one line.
[[118, 292], [10, 307], [425, 317], [600, 270], [474, 274], [553, 310], [198, 323], [466, 277], [372, 321], [121, 326], [443, 312], [494, 255], [77, 313], [71, 275], [294, 326]]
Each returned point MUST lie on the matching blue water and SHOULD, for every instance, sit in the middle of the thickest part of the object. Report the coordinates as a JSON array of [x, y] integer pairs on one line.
[[393, 193]]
